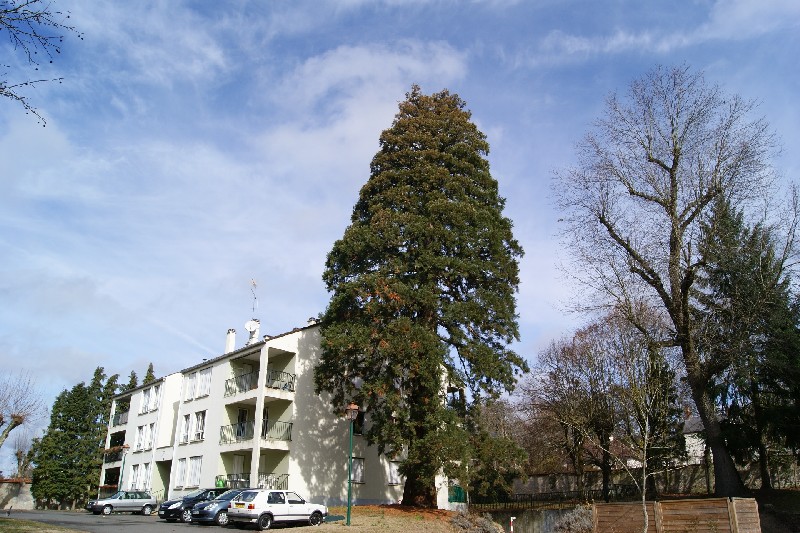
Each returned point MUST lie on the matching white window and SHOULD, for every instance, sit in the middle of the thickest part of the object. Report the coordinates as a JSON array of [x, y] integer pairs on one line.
[[180, 474], [135, 477], [204, 382], [199, 425], [185, 428], [358, 470], [146, 471], [148, 436], [139, 444], [394, 473], [195, 464], [188, 391], [145, 401], [154, 397]]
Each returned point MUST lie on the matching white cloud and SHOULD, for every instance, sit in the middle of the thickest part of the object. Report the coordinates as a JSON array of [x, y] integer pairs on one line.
[[726, 20]]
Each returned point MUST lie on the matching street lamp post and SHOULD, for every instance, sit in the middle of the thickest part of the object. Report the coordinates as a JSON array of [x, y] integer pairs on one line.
[[352, 413]]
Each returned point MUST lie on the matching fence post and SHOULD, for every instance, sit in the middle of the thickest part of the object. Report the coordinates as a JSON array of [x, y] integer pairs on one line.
[[732, 516], [658, 516]]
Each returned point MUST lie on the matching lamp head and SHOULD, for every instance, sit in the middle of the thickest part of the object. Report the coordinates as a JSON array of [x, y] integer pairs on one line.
[[351, 411]]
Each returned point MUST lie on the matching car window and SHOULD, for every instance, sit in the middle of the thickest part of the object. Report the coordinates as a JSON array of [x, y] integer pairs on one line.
[[276, 497], [294, 498], [229, 495], [247, 496]]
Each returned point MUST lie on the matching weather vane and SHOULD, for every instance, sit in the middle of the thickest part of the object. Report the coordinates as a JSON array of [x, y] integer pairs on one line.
[[253, 287]]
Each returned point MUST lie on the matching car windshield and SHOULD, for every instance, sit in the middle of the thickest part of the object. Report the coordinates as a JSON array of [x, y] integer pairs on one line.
[[194, 493], [117, 495], [229, 495]]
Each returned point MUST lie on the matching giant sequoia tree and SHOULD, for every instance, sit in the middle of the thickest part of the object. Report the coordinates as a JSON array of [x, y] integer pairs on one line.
[[648, 175], [423, 285]]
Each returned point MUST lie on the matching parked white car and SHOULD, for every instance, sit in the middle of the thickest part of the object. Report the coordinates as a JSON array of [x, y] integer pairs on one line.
[[124, 501], [264, 507]]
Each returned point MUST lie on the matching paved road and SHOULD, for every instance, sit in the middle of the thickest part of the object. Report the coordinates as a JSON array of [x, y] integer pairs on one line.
[[117, 522], [131, 523]]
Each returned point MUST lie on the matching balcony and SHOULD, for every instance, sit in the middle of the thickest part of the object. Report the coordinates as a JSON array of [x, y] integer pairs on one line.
[[241, 383], [240, 432], [233, 481], [266, 480], [276, 430], [280, 380], [273, 481], [112, 455], [120, 419]]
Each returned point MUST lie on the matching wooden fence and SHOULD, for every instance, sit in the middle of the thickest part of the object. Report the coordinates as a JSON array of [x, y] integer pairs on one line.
[[711, 515]]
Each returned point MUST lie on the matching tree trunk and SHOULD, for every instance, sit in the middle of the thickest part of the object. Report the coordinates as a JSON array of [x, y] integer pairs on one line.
[[16, 420], [418, 491], [606, 468], [763, 454], [726, 478]]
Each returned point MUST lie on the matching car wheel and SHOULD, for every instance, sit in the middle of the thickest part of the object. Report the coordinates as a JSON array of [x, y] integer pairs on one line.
[[222, 518], [186, 516], [264, 521], [107, 509], [147, 509], [315, 519]]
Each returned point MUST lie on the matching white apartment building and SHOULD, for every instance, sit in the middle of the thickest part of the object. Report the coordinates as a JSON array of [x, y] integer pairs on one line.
[[248, 418]]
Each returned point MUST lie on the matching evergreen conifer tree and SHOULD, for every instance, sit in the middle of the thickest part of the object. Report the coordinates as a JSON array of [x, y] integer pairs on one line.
[[423, 285], [68, 457], [750, 324], [149, 376]]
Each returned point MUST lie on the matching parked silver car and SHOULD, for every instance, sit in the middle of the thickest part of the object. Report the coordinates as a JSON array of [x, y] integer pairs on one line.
[[264, 507], [124, 501]]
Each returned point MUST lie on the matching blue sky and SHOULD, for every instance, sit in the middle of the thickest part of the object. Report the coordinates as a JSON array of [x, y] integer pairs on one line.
[[194, 146]]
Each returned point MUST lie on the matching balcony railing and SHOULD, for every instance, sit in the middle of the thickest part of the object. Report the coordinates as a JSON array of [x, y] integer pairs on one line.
[[276, 430], [270, 480], [112, 456], [239, 432], [241, 383], [233, 481], [280, 380], [120, 419]]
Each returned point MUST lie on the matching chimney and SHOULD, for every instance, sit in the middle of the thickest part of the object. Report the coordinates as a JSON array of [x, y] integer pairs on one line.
[[230, 341]]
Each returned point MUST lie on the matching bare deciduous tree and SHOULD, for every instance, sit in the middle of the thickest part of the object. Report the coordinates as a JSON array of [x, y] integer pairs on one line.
[[22, 447], [646, 177], [574, 387], [20, 403], [31, 27]]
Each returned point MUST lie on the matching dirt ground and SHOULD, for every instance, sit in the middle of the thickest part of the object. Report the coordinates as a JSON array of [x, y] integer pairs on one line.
[[390, 519]]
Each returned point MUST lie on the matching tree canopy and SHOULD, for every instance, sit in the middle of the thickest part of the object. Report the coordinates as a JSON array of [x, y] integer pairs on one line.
[[423, 285]]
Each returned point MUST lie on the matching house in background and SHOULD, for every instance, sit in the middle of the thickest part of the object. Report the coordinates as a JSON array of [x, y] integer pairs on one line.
[[247, 418]]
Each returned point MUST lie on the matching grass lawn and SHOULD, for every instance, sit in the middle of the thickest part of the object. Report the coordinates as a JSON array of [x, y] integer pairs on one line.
[[8, 525]]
